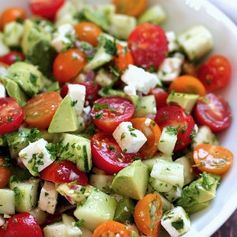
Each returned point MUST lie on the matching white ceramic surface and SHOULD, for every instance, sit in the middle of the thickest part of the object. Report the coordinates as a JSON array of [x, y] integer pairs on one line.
[[181, 15]]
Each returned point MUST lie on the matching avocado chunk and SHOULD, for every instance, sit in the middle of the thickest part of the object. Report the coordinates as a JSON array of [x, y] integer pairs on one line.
[[124, 211], [98, 208], [14, 91], [127, 184], [65, 119], [186, 101], [7, 202], [101, 181], [146, 105], [26, 194], [78, 150], [18, 140], [27, 76], [197, 195]]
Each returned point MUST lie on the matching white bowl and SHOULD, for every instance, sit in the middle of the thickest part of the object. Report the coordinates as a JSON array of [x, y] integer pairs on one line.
[[181, 15]]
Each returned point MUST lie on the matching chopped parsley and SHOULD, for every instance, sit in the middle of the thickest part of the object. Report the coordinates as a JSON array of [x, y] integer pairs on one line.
[[98, 115], [172, 130], [79, 223], [110, 47], [73, 103], [36, 161], [178, 225], [100, 106]]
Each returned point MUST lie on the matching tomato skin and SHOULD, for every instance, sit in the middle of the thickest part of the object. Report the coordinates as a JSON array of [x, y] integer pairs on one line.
[[107, 155], [88, 31], [41, 108], [152, 132], [68, 65], [147, 224], [92, 88], [113, 111], [11, 115], [214, 112], [12, 57], [172, 115], [113, 228], [22, 224], [148, 44], [12, 14], [213, 159], [161, 97], [5, 173], [215, 74], [123, 58], [64, 172], [46, 8]]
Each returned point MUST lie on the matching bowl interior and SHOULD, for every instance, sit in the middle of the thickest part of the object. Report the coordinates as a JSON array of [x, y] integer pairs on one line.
[[182, 15]]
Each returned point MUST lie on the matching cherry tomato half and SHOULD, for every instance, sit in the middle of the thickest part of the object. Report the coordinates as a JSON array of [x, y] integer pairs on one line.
[[12, 14], [161, 97], [215, 74], [112, 228], [88, 80], [88, 31], [147, 215], [64, 172], [22, 224], [68, 65], [107, 155], [46, 8], [214, 112], [5, 173], [148, 44], [109, 112], [11, 115], [212, 159], [152, 132], [175, 116], [12, 57], [40, 109]]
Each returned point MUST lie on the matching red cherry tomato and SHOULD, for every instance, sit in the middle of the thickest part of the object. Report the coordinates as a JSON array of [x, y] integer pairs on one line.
[[5, 173], [214, 112], [68, 65], [11, 115], [46, 8], [12, 57], [175, 116], [161, 96], [109, 112], [22, 224], [64, 172], [92, 88], [148, 44], [107, 155], [215, 74]]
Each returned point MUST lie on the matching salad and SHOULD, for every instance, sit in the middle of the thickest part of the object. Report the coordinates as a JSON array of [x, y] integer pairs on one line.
[[108, 122]]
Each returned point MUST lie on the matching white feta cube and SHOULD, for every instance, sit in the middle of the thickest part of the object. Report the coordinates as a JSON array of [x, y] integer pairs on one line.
[[172, 41], [36, 157], [170, 68], [2, 221], [138, 78], [130, 90], [2, 91], [48, 198], [129, 139], [63, 37], [78, 94], [176, 222]]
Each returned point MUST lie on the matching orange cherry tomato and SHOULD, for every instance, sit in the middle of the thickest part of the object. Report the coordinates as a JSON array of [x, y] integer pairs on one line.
[[68, 65], [40, 109], [123, 58], [147, 215], [112, 229], [212, 159], [5, 173], [88, 31], [12, 14], [131, 7], [152, 132], [188, 84]]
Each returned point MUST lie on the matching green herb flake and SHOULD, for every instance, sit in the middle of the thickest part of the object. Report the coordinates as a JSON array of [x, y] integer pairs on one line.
[[178, 225]]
